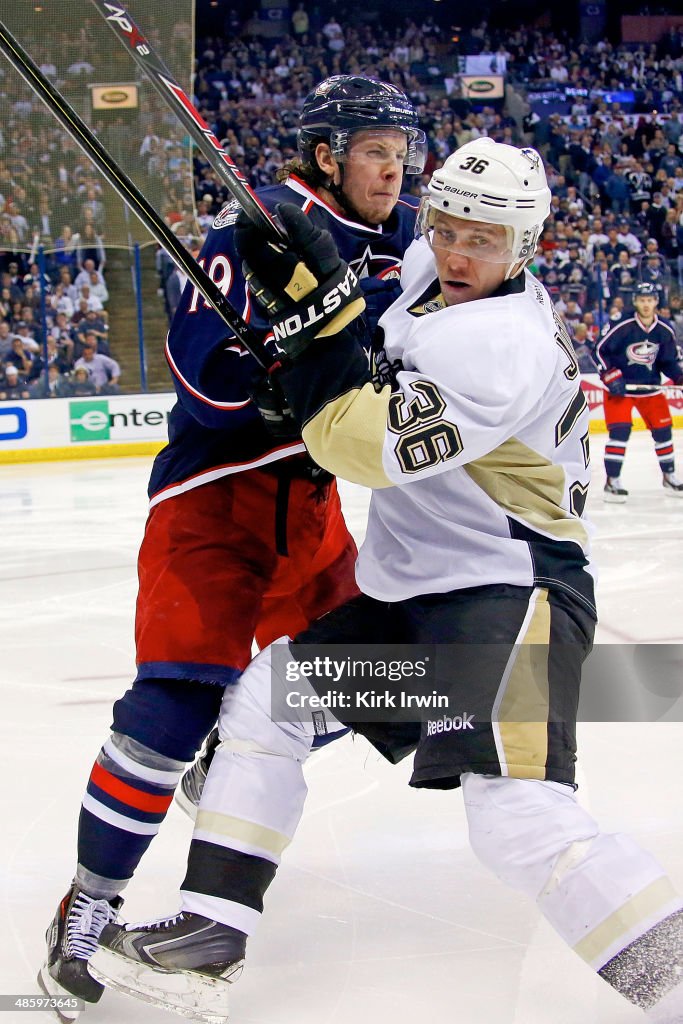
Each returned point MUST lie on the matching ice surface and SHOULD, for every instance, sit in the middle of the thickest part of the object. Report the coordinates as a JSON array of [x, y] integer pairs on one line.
[[380, 912]]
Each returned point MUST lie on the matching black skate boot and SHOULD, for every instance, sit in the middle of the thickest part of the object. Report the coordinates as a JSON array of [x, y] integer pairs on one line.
[[71, 941], [672, 485], [614, 492], [189, 792], [183, 963]]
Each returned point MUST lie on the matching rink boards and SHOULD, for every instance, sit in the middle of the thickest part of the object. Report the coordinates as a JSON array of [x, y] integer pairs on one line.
[[115, 425]]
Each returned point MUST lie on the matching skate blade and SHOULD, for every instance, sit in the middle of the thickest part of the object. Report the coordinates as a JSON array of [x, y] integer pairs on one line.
[[614, 499], [191, 995], [55, 991]]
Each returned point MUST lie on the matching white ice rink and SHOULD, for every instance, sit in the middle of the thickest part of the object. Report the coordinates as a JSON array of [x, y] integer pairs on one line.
[[380, 913]]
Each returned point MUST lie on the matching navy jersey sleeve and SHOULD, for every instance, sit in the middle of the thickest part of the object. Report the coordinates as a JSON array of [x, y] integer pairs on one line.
[[668, 361], [212, 371]]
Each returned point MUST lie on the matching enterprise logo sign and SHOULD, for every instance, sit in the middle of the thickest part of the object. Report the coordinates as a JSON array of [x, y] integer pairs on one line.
[[123, 420], [89, 421], [13, 423]]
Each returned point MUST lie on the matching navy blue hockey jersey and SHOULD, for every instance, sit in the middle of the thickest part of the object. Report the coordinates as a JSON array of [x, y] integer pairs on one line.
[[214, 428], [642, 353]]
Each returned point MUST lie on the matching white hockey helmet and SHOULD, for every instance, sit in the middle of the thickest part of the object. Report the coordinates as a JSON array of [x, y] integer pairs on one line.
[[493, 183]]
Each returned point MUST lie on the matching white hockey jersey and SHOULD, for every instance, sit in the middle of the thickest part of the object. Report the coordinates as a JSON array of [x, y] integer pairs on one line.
[[472, 432], [486, 443]]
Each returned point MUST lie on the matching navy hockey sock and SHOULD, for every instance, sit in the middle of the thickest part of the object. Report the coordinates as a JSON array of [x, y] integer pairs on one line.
[[664, 448], [615, 449], [158, 727]]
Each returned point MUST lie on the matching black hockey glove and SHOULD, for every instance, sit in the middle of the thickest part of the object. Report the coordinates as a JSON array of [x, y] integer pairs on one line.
[[305, 288], [267, 396], [614, 382]]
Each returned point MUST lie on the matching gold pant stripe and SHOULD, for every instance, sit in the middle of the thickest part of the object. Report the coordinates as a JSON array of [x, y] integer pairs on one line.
[[520, 712], [248, 832], [638, 909]]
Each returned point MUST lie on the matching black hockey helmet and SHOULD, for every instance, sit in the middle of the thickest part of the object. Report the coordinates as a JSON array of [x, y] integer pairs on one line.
[[645, 288], [343, 104]]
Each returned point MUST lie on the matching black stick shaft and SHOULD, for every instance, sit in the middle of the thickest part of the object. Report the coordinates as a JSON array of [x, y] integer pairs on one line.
[[129, 34], [130, 194]]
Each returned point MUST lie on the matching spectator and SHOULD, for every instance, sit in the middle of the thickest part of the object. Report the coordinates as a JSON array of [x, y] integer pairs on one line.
[[20, 356], [6, 338], [626, 237], [83, 277], [92, 302], [90, 339], [104, 371], [656, 216], [13, 384], [90, 250], [57, 384], [300, 23], [66, 281], [61, 302], [583, 349], [617, 190], [65, 249], [80, 385]]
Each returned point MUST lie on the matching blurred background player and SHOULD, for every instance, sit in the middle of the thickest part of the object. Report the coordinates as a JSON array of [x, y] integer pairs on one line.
[[478, 461], [245, 536], [631, 358]]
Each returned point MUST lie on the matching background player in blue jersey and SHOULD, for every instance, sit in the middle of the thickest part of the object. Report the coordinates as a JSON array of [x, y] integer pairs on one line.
[[245, 536], [631, 358]]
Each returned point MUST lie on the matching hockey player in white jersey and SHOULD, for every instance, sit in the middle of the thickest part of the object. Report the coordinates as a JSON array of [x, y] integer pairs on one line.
[[477, 453]]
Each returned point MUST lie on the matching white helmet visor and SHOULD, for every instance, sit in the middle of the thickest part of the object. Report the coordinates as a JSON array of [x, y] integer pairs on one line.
[[471, 238]]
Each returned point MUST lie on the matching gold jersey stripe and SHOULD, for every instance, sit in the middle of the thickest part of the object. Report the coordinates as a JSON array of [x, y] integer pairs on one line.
[[248, 832], [521, 709], [529, 486], [347, 435], [630, 915]]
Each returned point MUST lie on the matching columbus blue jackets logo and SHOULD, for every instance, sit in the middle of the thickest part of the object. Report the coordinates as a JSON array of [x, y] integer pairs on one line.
[[228, 215], [643, 353]]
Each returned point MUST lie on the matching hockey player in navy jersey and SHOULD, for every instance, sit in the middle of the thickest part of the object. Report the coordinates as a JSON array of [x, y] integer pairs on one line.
[[245, 536], [631, 358], [477, 455]]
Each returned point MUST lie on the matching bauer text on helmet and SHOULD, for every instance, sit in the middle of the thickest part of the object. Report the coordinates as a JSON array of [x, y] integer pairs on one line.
[[490, 183]]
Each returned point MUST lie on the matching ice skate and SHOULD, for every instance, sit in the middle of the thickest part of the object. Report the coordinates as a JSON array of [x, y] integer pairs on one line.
[[71, 941], [672, 485], [183, 963], [614, 492], [189, 792]]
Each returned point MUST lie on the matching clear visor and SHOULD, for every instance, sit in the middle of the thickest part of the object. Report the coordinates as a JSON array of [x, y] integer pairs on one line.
[[474, 239], [405, 147]]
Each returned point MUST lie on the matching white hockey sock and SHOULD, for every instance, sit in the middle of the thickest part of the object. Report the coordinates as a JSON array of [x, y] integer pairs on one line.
[[601, 892], [255, 790]]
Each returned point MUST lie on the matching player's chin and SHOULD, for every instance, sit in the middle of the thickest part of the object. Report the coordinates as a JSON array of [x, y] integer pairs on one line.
[[457, 291], [379, 208]]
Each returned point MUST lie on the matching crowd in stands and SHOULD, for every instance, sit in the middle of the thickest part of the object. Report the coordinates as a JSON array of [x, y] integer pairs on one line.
[[616, 172], [617, 176], [75, 360]]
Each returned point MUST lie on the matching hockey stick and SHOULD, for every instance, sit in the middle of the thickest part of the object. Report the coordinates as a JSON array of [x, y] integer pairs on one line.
[[130, 194], [125, 29], [645, 389]]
